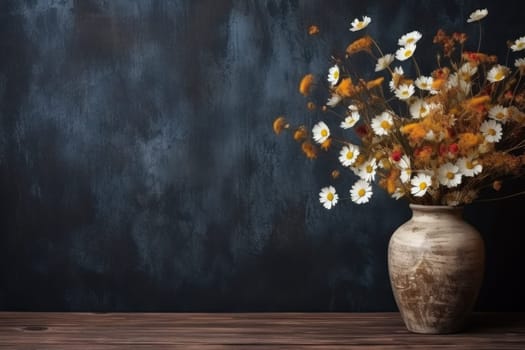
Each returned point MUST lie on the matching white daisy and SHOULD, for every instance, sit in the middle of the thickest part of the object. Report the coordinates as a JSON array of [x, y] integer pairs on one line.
[[519, 44], [405, 52], [467, 70], [420, 184], [492, 130], [350, 120], [497, 73], [361, 192], [333, 75], [398, 193], [469, 167], [519, 63], [348, 155], [392, 85], [424, 83], [477, 15], [399, 70], [367, 171], [404, 92], [334, 100], [358, 25], [320, 132], [381, 124], [419, 109], [328, 197], [449, 175], [499, 113], [406, 170], [384, 62], [409, 38]]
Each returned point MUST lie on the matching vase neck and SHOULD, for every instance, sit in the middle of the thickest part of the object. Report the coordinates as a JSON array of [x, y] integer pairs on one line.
[[432, 212]]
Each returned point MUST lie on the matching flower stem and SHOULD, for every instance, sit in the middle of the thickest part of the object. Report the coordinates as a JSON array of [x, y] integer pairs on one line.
[[479, 40]]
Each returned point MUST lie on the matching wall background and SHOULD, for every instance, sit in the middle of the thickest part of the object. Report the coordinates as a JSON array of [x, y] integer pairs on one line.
[[139, 171]]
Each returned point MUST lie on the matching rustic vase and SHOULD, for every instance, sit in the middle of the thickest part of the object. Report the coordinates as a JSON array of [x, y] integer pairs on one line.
[[436, 265]]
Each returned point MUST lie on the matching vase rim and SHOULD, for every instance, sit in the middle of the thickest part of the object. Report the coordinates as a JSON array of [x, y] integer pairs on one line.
[[434, 207]]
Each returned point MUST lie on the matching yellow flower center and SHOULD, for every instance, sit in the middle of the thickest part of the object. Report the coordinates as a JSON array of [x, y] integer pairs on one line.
[[469, 165], [499, 75], [330, 196], [521, 45], [422, 110], [369, 169], [361, 192], [336, 75], [385, 125], [491, 132], [349, 155], [424, 85], [500, 116], [360, 25], [410, 40], [408, 53], [324, 133], [422, 186], [450, 175]]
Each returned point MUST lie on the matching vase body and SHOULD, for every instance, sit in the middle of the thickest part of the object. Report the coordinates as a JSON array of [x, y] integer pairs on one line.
[[436, 265]]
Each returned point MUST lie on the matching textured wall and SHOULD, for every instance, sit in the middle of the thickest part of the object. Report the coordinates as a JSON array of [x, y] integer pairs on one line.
[[138, 169]]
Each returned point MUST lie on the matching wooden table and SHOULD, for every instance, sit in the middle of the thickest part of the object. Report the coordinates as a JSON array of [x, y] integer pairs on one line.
[[30, 330]]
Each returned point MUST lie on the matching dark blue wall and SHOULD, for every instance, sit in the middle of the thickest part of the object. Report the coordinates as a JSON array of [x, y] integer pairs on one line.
[[139, 171]]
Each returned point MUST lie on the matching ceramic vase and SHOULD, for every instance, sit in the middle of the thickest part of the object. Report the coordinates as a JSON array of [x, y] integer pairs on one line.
[[436, 266]]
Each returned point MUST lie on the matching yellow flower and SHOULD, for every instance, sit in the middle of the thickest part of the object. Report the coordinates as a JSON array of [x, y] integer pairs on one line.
[[306, 84]]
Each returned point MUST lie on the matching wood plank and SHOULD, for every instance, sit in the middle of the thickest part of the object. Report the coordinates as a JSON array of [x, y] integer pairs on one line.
[[29, 330]]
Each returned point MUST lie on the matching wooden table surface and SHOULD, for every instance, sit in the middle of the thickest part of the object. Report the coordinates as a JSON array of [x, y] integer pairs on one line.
[[32, 330]]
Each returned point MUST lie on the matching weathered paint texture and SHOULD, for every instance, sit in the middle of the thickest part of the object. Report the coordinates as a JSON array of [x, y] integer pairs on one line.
[[139, 171]]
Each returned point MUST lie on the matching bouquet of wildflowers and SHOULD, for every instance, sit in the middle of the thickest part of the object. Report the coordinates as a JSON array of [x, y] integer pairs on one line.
[[436, 138]]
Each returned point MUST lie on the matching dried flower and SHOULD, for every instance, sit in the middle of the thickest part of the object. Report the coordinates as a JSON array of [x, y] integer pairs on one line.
[[279, 124], [306, 84], [461, 130], [313, 30]]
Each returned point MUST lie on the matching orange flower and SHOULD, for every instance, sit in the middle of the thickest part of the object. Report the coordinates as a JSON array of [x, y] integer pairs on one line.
[[345, 88], [374, 83], [415, 131], [423, 154], [438, 83], [392, 179], [362, 44], [309, 150], [476, 101], [326, 144], [311, 106], [279, 124], [468, 141], [477, 57], [313, 29], [300, 133], [335, 174], [306, 84]]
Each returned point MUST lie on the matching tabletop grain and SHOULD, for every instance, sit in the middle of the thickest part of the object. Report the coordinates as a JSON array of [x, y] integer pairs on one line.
[[34, 330]]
